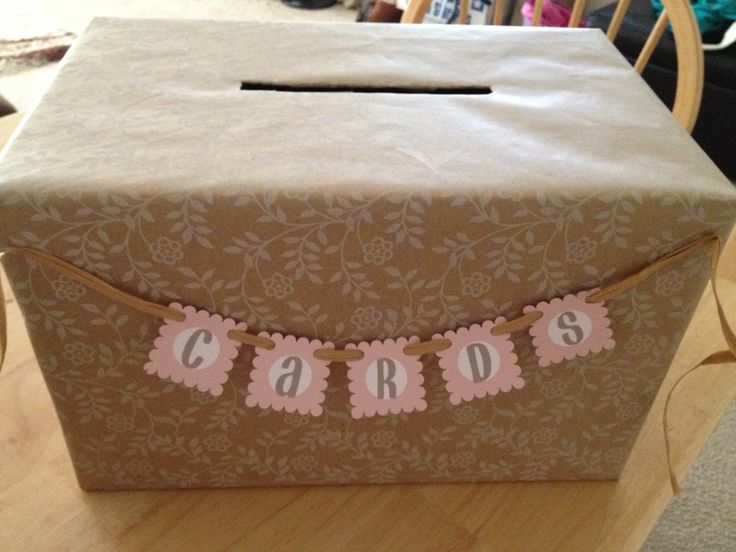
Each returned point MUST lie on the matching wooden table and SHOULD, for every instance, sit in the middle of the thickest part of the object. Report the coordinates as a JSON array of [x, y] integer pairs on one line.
[[41, 507]]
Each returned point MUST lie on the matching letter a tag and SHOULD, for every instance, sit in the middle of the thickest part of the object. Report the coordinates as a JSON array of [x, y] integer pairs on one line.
[[570, 327], [479, 363], [289, 377], [385, 379], [196, 351]]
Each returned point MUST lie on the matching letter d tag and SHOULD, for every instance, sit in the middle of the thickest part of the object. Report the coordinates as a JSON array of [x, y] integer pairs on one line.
[[289, 377], [195, 351], [385, 379], [570, 327], [479, 363]]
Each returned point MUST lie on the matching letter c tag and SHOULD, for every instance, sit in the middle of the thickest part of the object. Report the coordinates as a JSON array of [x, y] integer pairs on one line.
[[478, 363], [289, 377], [196, 351], [385, 380], [570, 327]]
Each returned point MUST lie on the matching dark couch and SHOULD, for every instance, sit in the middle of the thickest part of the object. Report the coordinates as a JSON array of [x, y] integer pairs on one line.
[[715, 130]]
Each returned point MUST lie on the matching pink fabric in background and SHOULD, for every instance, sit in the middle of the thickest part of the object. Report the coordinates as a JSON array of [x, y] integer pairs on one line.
[[553, 15]]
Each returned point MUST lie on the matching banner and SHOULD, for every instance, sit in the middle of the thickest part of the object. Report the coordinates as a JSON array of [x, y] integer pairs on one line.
[[385, 376]]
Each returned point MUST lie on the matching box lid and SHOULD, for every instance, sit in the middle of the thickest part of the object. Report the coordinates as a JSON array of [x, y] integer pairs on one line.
[[158, 104]]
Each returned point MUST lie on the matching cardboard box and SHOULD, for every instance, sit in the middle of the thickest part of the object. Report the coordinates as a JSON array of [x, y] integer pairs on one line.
[[350, 183]]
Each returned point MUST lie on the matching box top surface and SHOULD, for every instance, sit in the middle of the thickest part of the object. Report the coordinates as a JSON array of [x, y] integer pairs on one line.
[[164, 110]]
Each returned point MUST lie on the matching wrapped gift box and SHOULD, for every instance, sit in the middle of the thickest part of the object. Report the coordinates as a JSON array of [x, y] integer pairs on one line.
[[349, 183]]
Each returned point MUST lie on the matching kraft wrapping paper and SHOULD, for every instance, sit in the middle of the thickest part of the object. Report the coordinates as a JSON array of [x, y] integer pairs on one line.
[[348, 217]]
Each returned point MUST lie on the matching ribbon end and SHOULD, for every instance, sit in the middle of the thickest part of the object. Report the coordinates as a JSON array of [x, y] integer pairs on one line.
[[3, 327], [674, 484]]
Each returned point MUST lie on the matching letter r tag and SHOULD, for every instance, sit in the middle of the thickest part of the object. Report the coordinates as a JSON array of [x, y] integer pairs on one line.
[[570, 327], [385, 380], [196, 351]]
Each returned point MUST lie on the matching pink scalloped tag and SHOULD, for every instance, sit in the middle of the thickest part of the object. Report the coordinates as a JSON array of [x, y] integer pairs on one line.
[[196, 351], [478, 363], [289, 377], [385, 380], [570, 327]]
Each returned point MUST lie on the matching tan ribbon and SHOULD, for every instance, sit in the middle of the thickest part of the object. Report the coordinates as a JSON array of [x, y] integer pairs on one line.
[[720, 357], [424, 347], [3, 328]]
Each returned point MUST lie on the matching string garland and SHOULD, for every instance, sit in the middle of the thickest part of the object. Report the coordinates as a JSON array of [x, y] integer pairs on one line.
[[434, 345]]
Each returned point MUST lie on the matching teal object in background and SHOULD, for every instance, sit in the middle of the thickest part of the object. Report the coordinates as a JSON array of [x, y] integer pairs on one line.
[[712, 15]]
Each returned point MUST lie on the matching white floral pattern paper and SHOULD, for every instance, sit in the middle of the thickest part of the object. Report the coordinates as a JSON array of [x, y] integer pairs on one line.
[[162, 186]]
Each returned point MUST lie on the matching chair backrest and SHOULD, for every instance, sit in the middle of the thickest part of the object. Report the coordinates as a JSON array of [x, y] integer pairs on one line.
[[684, 27]]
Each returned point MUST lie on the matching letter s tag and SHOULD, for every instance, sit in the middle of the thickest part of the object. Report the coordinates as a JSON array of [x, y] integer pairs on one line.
[[570, 327], [478, 363], [196, 351], [289, 377], [385, 380]]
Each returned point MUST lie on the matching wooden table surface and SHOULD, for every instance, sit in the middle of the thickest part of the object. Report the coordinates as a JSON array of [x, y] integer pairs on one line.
[[41, 507]]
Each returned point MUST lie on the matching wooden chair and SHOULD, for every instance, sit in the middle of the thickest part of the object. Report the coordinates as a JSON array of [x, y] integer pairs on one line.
[[684, 27]]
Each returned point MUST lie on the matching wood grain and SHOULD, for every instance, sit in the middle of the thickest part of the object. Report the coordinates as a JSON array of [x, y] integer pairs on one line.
[[537, 14], [651, 43], [499, 11], [577, 12], [41, 507], [464, 8], [622, 6], [414, 13]]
